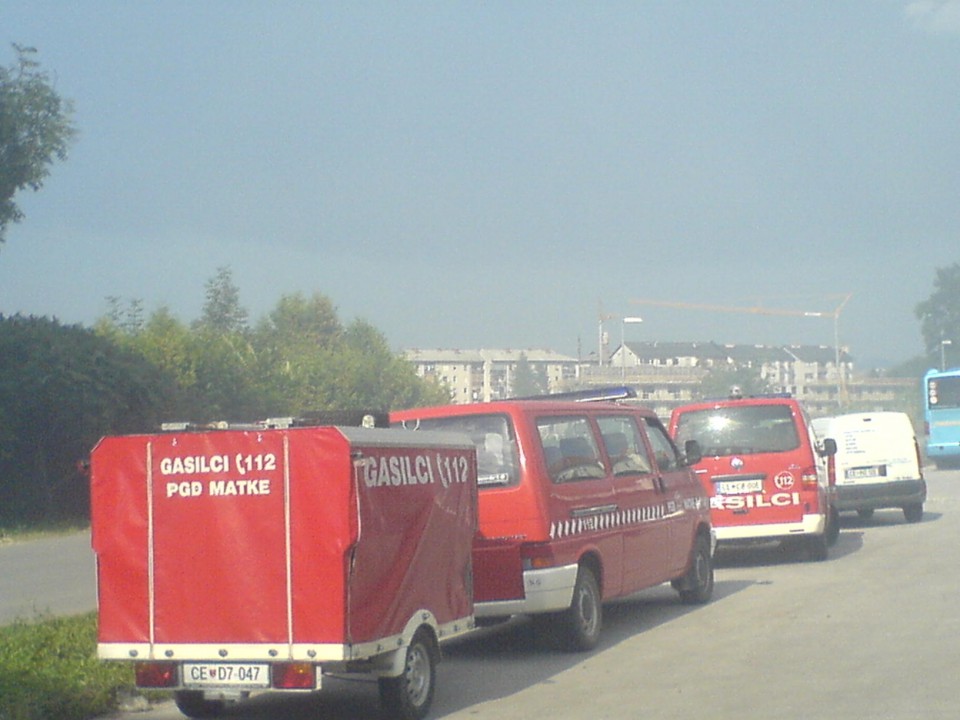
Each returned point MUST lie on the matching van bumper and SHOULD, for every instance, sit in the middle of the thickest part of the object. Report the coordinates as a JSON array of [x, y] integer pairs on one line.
[[545, 590], [874, 496], [814, 524]]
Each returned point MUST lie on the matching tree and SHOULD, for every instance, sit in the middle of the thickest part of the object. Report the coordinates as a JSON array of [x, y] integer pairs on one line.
[[527, 380], [222, 312], [35, 130], [939, 314], [61, 389], [720, 381]]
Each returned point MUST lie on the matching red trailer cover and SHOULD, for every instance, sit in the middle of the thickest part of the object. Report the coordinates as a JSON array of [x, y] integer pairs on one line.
[[300, 543]]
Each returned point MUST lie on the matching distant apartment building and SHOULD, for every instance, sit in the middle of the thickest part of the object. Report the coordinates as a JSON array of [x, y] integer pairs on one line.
[[490, 374], [666, 374]]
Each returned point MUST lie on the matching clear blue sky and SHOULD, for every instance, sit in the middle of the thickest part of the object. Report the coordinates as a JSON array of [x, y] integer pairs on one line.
[[492, 174]]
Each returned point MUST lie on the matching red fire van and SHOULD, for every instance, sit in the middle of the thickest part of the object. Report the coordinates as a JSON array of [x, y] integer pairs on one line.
[[579, 502], [765, 470]]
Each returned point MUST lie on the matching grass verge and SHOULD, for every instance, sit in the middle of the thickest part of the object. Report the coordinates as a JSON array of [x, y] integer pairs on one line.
[[49, 669]]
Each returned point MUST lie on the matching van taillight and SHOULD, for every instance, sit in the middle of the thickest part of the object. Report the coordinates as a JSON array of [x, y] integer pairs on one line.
[[537, 557], [294, 676], [808, 478], [156, 674]]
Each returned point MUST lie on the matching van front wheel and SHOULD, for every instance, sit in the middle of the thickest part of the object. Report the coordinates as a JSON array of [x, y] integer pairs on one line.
[[580, 623]]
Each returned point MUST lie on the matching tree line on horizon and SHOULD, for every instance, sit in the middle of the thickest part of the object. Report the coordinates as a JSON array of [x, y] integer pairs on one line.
[[63, 387]]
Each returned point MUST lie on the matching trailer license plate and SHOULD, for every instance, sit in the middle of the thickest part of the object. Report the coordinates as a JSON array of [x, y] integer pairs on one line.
[[240, 675], [739, 487]]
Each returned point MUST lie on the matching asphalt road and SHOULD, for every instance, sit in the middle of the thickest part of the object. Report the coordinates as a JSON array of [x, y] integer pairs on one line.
[[870, 633], [55, 575]]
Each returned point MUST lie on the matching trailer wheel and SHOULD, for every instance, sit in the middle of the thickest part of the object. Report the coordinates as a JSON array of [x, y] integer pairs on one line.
[[408, 696], [192, 704]]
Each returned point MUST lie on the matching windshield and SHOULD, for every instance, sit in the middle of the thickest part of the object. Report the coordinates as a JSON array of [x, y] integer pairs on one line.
[[495, 441], [740, 430]]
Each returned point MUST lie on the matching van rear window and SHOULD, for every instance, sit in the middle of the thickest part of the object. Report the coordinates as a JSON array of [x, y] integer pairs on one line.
[[739, 429], [494, 438]]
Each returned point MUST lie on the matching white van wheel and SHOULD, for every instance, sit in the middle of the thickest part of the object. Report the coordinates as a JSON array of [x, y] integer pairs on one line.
[[913, 513]]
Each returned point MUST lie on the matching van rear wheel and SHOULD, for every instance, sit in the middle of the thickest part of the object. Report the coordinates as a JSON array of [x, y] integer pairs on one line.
[[696, 587], [580, 623], [913, 513]]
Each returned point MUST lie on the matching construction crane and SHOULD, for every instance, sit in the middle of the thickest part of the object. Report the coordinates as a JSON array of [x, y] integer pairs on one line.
[[761, 310]]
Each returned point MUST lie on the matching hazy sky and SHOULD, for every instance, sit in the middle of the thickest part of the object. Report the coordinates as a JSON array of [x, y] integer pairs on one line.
[[492, 174]]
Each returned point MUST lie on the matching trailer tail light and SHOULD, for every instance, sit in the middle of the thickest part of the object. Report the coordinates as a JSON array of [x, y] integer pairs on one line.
[[294, 676], [156, 674]]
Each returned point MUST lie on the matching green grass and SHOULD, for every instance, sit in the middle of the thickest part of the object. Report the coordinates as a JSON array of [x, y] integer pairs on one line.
[[49, 669], [12, 532]]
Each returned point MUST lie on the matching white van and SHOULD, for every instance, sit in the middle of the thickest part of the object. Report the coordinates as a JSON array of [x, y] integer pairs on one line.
[[877, 464]]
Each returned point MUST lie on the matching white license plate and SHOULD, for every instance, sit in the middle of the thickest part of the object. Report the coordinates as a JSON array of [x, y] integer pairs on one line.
[[739, 487], [863, 472], [234, 675]]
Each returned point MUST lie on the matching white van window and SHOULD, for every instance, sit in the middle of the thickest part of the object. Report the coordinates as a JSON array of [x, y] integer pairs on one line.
[[740, 429], [569, 449], [494, 438], [624, 445]]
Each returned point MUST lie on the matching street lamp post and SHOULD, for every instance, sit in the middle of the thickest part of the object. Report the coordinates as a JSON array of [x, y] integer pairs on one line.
[[623, 355], [943, 353]]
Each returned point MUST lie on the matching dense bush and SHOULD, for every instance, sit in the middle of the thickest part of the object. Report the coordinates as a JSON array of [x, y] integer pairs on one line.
[[49, 669]]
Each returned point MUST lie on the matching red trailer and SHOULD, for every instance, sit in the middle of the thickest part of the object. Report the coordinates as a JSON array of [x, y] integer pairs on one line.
[[243, 560]]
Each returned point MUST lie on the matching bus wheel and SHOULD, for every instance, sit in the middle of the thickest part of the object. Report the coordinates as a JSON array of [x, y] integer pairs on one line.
[[408, 696], [580, 623]]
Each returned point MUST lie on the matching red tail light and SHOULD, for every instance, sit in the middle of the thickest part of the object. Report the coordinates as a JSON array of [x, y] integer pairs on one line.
[[537, 556], [294, 676], [808, 478], [156, 674]]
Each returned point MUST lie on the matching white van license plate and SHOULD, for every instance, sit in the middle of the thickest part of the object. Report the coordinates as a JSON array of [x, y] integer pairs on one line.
[[240, 675], [739, 487], [859, 473]]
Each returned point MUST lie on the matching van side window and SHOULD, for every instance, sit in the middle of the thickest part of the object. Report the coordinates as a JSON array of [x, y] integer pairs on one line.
[[569, 449], [494, 438], [668, 459], [624, 445]]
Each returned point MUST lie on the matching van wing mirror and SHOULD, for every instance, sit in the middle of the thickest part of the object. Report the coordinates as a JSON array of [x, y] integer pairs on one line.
[[692, 453], [829, 447]]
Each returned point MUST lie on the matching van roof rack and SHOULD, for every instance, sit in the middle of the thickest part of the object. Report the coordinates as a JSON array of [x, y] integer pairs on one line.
[[602, 394], [355, 418]]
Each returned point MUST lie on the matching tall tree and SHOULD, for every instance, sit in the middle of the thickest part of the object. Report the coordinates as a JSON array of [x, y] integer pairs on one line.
[[35, 130], [222, 312], [939, 314]]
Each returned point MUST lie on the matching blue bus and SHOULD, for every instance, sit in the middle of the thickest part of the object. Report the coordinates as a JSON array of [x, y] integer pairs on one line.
[[941, 414]]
